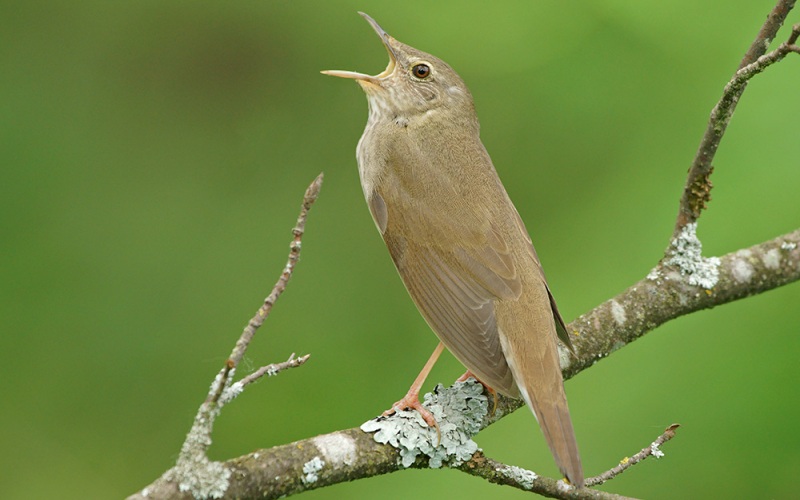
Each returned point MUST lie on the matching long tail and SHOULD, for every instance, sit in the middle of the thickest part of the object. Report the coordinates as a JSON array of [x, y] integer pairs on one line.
[[528, 336], [552, 413]]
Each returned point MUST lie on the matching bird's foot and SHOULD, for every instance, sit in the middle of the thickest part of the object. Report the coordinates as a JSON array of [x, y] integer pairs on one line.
[[411, 402]]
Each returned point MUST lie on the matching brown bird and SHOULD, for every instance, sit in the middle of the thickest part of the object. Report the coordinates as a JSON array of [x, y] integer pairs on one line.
[[457, 241]]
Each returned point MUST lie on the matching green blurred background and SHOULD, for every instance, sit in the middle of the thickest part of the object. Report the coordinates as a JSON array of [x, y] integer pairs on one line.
[[153, 160]]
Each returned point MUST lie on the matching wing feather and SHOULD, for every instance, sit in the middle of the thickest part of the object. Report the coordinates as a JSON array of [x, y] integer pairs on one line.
[[455, 290]]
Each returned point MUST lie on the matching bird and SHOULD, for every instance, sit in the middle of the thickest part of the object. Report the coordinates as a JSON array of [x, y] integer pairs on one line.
[[457, 241]]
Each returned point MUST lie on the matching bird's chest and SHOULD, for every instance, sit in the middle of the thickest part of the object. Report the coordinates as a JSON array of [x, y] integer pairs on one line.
[[409, 166], [420, 187]]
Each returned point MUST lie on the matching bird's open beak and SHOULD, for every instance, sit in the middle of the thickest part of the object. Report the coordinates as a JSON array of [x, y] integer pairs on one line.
[[361, 77]]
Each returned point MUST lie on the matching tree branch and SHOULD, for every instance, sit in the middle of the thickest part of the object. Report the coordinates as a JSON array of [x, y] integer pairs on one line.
[[351, 454], [194, 474], [650, 451], [697, 191], [683, 282], [768, 32], [509, 475], [666, 293], [516, 477], [294, 254]]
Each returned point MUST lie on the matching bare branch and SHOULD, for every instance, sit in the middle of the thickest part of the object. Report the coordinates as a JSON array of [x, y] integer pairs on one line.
[[628, 462], [350, 454], [294, 253], [516, 477], [768, 32], [223, 379], [666, 293], [697, 191], [274, 369], [194, 473]]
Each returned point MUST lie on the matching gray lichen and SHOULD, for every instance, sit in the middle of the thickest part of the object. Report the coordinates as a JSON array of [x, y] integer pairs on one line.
[[523, 477], [618, 313], [458, 410], [741, 268], [311, 468], [339, 449], [200, 477], [686, 255], [194, 472], [655, 450], [772, 259]]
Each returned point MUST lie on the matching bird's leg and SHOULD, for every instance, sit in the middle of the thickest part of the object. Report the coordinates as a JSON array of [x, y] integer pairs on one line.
[[489, 390], [411, 399]]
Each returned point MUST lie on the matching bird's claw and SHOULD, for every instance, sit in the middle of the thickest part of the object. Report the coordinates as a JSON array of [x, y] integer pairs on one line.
[[411, 402]]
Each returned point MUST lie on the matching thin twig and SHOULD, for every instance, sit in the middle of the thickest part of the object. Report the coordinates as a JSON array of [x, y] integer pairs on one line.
[[274, 369], [510, 475], [194, 472], [697, 191], [793, 37], [628, 462], [221, 382], [516, 477], [768, 32], [311, 194], [294, 253]]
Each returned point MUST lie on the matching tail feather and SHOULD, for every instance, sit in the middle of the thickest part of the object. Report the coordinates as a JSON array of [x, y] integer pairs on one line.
[[556, 425], [531, 350]]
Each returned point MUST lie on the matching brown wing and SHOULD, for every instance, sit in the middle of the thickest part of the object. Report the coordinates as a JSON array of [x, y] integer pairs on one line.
[[561, 327], [455, 286]]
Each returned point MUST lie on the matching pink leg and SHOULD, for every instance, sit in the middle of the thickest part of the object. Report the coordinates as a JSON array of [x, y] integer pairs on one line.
[[411, 399]]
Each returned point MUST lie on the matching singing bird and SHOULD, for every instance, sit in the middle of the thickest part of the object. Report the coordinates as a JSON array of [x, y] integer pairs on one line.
[[457, 240]]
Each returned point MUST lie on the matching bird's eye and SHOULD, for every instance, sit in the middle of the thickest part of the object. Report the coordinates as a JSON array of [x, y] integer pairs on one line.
[[421, 71]]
